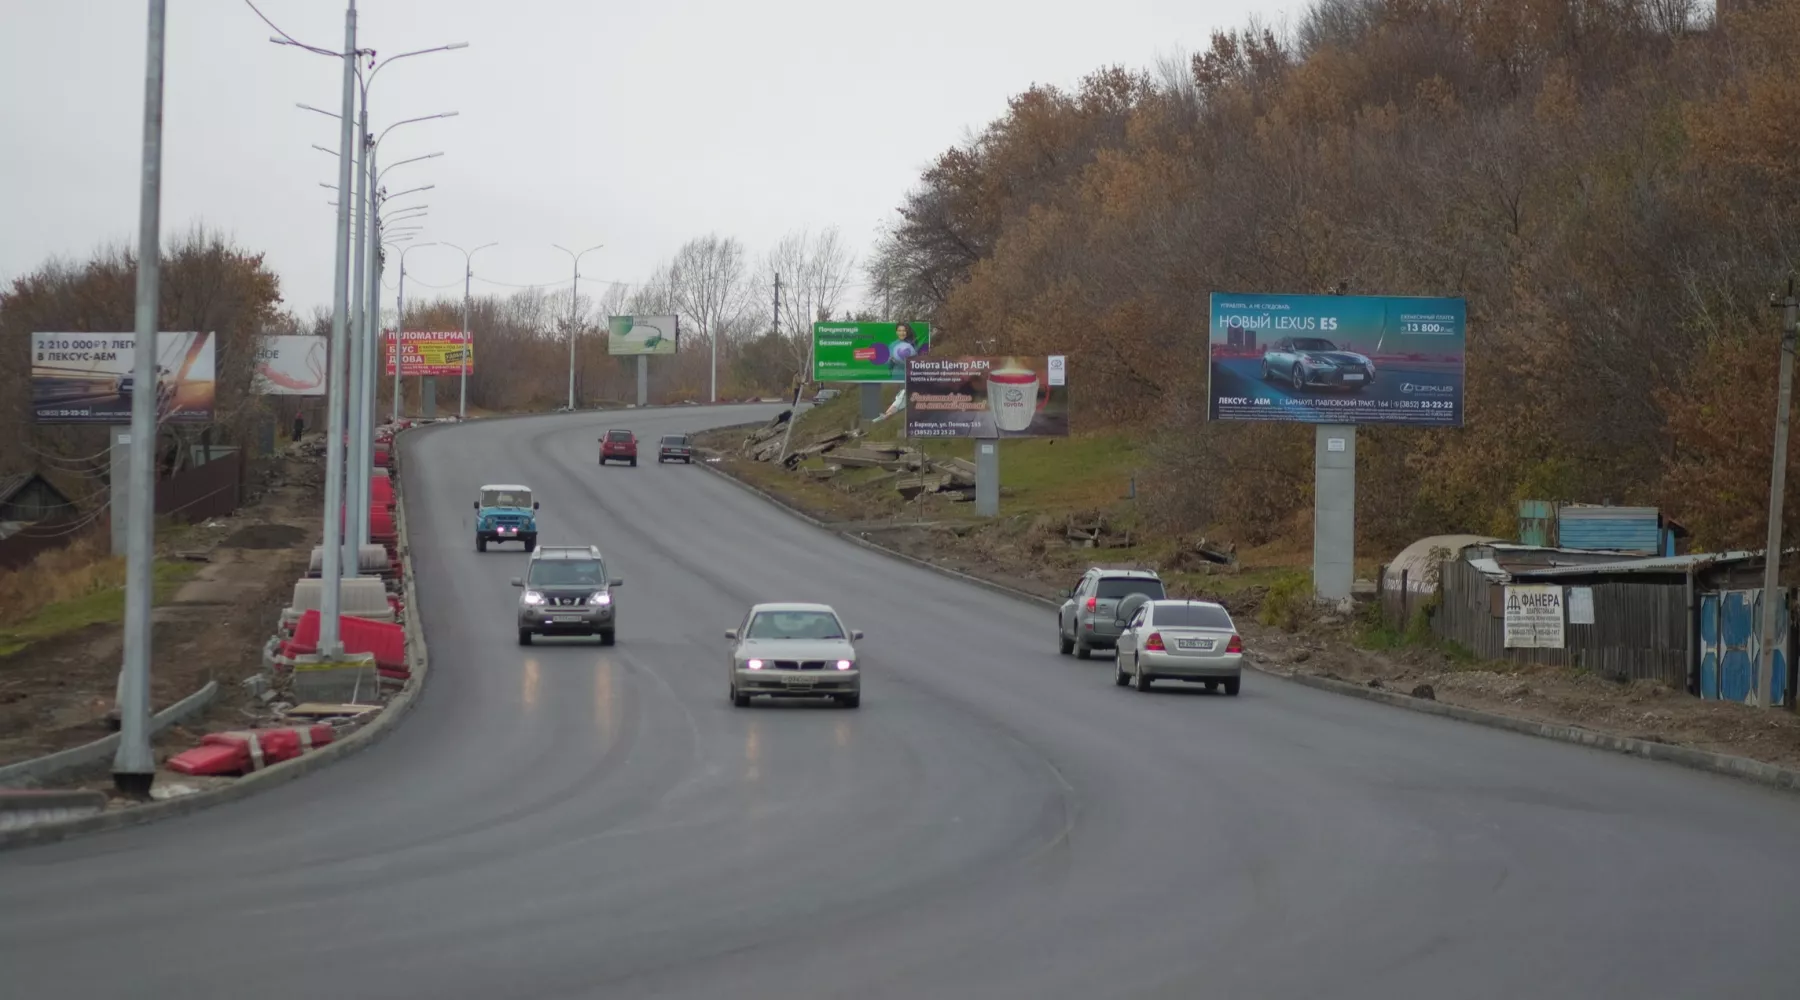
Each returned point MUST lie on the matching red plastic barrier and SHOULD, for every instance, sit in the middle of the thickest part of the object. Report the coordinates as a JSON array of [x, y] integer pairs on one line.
[[209, 759], [381, 491], [359, 635], [246, 750]]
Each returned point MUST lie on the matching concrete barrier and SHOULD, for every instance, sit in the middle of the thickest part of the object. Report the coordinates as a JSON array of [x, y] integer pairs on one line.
[[29, 772], [22, 809]]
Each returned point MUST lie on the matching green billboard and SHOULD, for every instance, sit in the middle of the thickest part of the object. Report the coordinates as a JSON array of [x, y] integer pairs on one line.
[[866, 352]]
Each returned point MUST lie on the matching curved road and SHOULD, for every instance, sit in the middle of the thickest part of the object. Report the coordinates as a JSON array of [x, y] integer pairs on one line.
[[570, 821]]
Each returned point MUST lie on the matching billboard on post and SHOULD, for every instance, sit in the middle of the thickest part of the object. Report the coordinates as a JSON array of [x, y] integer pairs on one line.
[[642, 334], [429, 352], [987, 397], [866, 352], [89, 378], [1337, 359], [292, 365]]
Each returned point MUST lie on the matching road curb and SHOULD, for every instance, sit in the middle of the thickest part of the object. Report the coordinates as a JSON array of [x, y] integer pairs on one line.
[[279, 774], [1760, 772], [52, 764]]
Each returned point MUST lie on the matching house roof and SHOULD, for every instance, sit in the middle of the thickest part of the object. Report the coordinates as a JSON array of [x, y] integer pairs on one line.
[[1660, 564], [11, 486]]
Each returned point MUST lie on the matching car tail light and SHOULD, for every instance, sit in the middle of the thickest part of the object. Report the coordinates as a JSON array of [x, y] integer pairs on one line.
[[1093, 603], [1155, 642], [1236, 645]]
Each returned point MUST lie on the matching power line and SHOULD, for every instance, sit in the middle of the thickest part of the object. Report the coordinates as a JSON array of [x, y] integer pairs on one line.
[[291, 39]]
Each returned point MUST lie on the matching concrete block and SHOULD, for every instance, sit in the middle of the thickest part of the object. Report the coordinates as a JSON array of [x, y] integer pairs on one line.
[[336, 678]]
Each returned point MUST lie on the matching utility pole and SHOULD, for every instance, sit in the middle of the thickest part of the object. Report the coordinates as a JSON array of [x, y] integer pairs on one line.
[[462, 403], [134, 766], [1784, 397], [356, 508], [574, 298], [777, 301], [400, 334], [332, 569]]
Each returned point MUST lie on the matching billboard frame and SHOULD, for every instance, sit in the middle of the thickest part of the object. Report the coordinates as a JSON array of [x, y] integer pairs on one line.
[[71, 373]]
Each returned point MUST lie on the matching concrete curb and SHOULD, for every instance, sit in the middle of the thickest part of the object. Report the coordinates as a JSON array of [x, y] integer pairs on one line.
[[51, 765], [1771, 775], [23, 809], [279, 774]]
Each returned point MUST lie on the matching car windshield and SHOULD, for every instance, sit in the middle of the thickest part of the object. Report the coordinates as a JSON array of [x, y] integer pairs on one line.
[[506, 498], [567, 573], [794, 625], [619, 436], [1314, 344], [1192, 616], [1114, 587]]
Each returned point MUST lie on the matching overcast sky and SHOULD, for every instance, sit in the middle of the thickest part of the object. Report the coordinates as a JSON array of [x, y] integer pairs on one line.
[[635, 125]]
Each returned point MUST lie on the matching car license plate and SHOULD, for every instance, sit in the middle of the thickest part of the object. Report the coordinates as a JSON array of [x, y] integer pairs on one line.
[[568, 618], [1353, 378], [800, 682], [1193, 644]]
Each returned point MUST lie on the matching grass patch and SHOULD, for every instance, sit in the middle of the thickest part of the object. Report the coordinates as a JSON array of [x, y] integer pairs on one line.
[[83, 594], [1288, 601]]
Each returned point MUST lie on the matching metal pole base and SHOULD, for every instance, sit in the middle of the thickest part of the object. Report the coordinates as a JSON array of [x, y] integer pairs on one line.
[[135, 786]]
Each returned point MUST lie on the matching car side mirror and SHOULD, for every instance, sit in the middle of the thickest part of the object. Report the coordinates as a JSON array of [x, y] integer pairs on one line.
[[477, 505], [731, 633], [535, 505], [856, 633], [616, 582], [518, 581]]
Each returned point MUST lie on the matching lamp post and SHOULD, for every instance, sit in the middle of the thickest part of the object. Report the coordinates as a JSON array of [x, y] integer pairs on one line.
[[574, 295], [400, 323], [462, 403]]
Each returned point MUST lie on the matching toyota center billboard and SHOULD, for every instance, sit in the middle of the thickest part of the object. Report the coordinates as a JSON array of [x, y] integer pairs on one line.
[[987, 397], [89, 378], [1337, 359]]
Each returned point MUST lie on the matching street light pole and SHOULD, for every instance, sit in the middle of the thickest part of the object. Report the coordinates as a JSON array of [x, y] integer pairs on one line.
[[574, 296], [332, 568], [356, 507], [400, 324], [468, 348], [134, 766]]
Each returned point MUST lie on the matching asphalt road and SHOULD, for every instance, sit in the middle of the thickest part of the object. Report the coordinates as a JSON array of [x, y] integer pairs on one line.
[[569, 821]]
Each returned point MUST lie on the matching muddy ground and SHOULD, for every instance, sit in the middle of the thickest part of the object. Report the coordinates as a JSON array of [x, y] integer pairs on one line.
[[57, 693]]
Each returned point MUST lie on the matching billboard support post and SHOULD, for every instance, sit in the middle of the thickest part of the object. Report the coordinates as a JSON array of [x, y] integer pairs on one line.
[[987, 479], [428, 396], [871, 400], [643, 373], [1334, 510], [119, 468]]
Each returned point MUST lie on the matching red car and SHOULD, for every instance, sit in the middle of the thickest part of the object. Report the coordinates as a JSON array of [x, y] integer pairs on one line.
[[618, 446]]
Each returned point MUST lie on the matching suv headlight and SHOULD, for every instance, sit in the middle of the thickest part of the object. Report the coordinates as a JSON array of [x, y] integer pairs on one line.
[[533, 597], [601, 598]]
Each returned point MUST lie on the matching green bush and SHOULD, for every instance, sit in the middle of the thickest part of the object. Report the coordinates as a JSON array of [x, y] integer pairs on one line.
[[1286, 604]]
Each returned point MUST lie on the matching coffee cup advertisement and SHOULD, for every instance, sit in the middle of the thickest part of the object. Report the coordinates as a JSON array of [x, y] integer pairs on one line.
[[987, 397]]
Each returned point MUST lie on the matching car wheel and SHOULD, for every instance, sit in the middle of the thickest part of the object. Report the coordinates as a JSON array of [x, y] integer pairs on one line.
[[1064, 644], [524, 637], [634, 463], [1119, 678], [608, 637], [1139, 679], [481, 545], [1297, 377], [851, 700], [530, 543], [1267, 376], [738, 698], [1083, 651], [1231, 686]]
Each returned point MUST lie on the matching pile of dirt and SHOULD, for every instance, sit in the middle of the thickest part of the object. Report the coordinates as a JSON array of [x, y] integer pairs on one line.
[[265, 536]]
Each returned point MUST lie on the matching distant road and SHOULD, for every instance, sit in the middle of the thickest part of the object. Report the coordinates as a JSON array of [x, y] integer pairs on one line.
[[996, 821]]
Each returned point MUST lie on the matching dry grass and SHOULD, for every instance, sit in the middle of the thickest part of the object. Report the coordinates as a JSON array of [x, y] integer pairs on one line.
[[74, 571]]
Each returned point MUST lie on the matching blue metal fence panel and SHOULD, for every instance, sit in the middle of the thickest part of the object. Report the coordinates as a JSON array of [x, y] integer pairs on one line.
[[1736, 623], [1710, 648], [1621, 529]]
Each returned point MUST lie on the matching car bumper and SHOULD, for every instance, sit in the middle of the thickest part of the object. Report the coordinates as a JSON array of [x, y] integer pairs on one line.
[[1339, 379], [507, 534], [683, 455], [572, 621], [799, 683], [1176, 666], [1100, 635]]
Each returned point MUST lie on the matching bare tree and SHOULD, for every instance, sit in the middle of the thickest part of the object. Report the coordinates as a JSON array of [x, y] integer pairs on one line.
[[708, 283], [816, 274]]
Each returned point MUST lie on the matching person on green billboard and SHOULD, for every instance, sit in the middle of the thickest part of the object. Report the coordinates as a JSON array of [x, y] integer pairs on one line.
[[904, 347]]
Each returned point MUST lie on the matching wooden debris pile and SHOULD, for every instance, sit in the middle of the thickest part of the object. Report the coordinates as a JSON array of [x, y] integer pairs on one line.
[[1202, 555], [1094, 530]]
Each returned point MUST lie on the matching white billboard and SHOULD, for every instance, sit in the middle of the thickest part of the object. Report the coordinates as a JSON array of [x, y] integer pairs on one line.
[[641, 334], [292, 365]]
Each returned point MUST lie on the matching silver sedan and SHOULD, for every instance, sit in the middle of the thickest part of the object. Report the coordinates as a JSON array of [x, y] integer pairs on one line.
[[1180, 640], [795, 651]]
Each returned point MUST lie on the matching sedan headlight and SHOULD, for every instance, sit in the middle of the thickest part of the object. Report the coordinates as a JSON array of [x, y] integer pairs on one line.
[[601, 598], [533, 597], [844, 664], [753, 664]]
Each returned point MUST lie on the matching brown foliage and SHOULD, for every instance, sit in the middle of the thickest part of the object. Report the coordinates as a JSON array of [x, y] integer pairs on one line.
[[1609, 183]]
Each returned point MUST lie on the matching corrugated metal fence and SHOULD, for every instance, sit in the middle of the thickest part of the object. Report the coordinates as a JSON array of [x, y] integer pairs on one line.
[[1641, 630]]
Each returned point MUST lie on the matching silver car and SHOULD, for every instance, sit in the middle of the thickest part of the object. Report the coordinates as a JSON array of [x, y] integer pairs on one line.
[[1314, 362], [1180, 641], [794, 650], [1086, 621], [567, 593]]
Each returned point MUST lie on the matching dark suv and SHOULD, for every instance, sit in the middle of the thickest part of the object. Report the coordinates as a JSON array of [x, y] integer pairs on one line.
[[1088, 618], [675, 448], [567, 593]]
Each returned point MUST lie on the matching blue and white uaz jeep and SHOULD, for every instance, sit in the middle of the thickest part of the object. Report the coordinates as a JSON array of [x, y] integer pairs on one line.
[[505, 514]]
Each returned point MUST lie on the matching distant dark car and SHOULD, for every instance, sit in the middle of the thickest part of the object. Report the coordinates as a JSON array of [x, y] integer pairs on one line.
[[618, 446], [675, 448], [1314, 362]]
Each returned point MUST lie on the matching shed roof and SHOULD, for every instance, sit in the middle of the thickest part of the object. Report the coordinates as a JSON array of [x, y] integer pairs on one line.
[[1659, 564], [11, 486], [1419, 564]]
